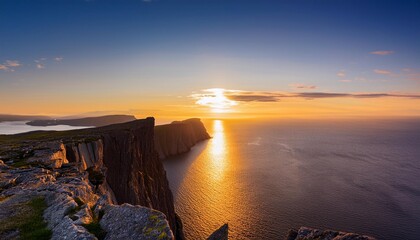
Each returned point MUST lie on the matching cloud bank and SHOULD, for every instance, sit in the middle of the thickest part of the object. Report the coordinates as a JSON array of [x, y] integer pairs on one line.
[[9, 65], [382, 53], [302, 86], [275, 96]]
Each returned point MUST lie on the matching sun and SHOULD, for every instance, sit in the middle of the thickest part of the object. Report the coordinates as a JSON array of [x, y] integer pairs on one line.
[[215, 99]]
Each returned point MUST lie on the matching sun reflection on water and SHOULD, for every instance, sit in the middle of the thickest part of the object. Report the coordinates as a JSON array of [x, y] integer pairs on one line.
[[218, 149], [211, 188]]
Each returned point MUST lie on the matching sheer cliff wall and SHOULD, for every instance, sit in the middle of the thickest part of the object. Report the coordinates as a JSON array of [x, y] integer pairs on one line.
[[134, 173], [178, 137]]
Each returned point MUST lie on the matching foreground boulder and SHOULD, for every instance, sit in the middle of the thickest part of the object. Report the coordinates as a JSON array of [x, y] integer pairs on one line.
[[134, 222]]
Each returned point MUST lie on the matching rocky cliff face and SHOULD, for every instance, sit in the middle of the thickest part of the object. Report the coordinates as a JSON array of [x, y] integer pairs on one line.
[[92, 170], [126, 154], [178, 137], [109, 177]]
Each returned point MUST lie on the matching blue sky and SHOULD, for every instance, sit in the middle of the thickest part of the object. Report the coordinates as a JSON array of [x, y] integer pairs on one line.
[[163, 48]]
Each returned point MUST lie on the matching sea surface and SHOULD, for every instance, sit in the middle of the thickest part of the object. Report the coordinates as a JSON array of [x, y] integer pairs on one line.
[[264, 178], [14, 127]]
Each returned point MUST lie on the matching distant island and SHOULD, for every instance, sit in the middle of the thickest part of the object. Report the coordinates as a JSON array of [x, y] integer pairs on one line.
[[88, 121], [12, 118]]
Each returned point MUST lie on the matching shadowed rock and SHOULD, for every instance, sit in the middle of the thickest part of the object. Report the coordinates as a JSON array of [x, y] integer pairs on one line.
[[178, 137], [220, 234], [305, 233]]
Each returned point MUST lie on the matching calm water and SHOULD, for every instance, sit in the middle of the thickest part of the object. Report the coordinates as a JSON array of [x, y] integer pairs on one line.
[[264, 178], [14, 127]]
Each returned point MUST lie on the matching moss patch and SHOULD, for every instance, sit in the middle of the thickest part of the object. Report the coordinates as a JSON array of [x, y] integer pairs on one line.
[[28, 221]]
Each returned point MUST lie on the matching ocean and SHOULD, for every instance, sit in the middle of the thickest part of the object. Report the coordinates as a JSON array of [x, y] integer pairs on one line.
[[264, 178], [14, 127]]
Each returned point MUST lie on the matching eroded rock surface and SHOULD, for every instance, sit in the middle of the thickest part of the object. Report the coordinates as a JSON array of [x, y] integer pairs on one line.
[[57, 169], [128, 222], [305, 233]]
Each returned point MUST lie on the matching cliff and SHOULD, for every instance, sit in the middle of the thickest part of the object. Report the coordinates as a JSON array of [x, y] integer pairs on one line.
[[88, 171], [133, 169], [179, 136], [98, 183]]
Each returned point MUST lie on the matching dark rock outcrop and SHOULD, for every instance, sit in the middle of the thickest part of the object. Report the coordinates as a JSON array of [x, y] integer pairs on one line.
[[134, 171], [220, 234], [305, 233], [179, 136]]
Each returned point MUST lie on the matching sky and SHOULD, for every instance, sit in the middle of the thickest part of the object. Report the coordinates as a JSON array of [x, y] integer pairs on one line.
[[218, 59]]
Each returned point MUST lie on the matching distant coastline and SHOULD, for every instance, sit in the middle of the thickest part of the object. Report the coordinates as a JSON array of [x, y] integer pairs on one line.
[[88, 121]]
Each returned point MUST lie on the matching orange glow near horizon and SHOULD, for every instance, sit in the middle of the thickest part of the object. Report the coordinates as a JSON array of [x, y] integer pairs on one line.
[[218, 103]]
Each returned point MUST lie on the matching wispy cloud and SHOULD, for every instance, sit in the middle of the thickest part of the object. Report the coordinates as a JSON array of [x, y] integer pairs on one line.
[[345, 80], [58, 59], [9, 65], [341, 73], [275, 96], [40, 63], [382, 71], [302, 86], [382, 52]]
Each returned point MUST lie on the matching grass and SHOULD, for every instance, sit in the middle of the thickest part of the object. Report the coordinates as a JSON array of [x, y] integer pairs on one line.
[[29, 221]]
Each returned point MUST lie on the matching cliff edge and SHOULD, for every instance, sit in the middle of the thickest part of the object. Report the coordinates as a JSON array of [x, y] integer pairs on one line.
[[87, 178], [178, 137]]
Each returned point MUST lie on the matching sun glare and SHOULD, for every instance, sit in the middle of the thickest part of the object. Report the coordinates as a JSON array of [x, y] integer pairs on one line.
[[215, 99]]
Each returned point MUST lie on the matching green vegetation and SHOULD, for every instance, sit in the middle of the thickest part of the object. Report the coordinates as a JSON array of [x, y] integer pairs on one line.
[[163, 235], [95, 228], [28, 221]]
